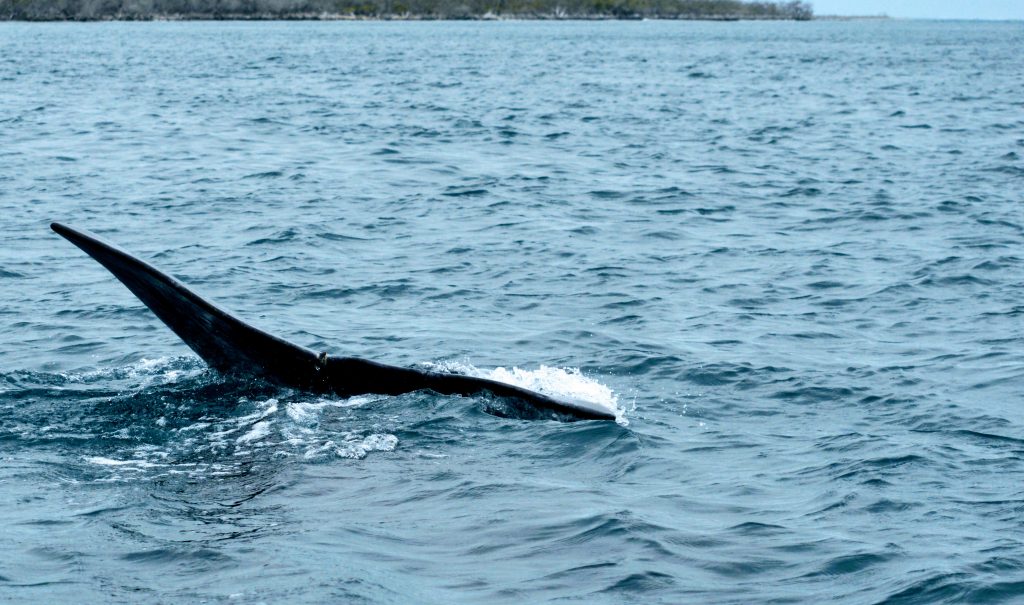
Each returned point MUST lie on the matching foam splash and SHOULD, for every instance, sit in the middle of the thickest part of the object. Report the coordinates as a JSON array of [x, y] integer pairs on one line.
[[259, 431], [302, 431], [306, 413], [271, 428], [353, 446], [149, 372], [557, 382], [136, 465], [207, 444]]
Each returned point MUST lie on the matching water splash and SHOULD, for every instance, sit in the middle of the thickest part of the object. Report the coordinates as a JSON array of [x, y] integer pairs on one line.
[[569, 383]]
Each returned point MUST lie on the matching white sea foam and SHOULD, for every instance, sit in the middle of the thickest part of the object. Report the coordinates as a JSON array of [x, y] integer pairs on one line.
[[128, 464], [558, 382], [160, 370], [353, 445], [265, 409], [284, 429], [307, 413], [257, 432]]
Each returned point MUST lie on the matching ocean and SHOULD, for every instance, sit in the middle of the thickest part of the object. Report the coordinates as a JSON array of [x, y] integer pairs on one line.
[[789, 255]]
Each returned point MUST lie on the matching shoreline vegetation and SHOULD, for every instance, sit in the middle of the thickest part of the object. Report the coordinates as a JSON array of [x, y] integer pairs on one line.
[[410, 10]]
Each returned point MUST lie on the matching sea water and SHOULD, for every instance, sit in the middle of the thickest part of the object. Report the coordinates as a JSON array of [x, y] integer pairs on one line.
[[789, 255]]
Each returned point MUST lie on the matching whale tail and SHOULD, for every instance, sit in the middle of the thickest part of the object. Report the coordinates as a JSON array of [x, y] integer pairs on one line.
[[232, 346]]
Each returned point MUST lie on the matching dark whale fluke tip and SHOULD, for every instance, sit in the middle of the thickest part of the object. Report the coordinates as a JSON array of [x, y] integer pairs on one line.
[[61, 230], [69, 232], [78, 237], [230, 345]]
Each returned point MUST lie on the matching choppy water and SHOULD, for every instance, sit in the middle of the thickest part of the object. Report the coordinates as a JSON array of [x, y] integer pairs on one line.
[[790, 253]]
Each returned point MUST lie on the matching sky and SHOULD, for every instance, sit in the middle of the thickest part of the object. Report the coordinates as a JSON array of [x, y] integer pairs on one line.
[[924, 9]]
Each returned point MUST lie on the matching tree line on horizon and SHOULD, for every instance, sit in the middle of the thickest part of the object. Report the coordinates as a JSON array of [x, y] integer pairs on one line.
[[94, 10]]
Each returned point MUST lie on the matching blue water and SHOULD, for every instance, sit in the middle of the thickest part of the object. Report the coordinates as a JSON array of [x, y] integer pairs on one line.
[[790, 254]]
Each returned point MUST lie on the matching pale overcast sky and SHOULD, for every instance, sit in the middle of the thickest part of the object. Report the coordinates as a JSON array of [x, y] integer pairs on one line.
[[924, 9]]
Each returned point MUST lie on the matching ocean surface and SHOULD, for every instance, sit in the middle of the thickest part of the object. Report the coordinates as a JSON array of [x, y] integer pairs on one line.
[[790, 255]]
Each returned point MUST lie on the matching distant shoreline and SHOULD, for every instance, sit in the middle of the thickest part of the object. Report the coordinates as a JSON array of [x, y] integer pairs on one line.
[[401, 10], [349, 17]]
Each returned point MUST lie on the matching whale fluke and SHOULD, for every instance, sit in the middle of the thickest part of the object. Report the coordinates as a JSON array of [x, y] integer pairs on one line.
[[232, 346]]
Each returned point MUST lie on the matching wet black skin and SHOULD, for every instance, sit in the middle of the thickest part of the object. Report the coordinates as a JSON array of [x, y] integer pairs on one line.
[[232, 346]]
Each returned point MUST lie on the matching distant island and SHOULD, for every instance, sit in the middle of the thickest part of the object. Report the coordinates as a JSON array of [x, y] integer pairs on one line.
[[146, 10]]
